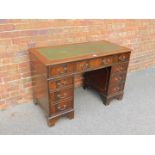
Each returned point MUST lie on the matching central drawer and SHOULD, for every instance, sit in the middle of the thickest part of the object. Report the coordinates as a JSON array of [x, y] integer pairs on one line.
[[61, 95], [95, 63], [82, 66]]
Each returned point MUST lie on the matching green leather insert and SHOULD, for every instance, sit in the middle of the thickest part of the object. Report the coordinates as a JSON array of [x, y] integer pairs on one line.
[[69, 51]]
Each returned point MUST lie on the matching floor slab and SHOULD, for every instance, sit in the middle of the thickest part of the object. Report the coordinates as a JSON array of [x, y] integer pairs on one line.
[[135, 114]]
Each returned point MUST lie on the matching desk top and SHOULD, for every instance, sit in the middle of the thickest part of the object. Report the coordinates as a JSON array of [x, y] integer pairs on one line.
[[78, 51]]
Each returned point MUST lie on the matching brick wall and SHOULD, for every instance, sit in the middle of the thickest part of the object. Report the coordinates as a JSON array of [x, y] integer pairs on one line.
[[16, 36]]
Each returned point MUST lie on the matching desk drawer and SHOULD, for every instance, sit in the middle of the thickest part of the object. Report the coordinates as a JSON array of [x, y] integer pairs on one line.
[[120, 68], [61, 95], [61, 106], [61, 69], [57, 84]]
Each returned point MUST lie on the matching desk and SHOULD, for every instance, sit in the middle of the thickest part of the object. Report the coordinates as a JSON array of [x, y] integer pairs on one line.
[[103, 65]]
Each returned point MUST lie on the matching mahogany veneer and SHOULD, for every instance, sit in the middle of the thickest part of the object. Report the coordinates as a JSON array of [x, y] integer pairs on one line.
[[103, 64]]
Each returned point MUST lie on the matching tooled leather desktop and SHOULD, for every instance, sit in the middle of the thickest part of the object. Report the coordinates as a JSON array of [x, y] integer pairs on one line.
[[103, 65]]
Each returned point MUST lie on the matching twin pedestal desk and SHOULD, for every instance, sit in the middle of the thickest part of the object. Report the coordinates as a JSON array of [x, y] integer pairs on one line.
[[103, 65]]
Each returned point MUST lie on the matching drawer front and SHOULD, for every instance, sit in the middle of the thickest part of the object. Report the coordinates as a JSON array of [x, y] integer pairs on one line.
[[117, 78], [61, 69], [115, 89], [120, 68], [61, 106], [82, 66], [123, 57], [53, 85], [95, 63], [61, 95]]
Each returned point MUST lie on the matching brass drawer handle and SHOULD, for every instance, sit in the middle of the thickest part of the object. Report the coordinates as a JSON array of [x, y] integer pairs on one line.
[[84, 66], [116, 88], [62, 107], [65, 69], [122, 58], [106, 61], [118, 78], [121, 68], [60, 71], [62, 96], [61, 83]]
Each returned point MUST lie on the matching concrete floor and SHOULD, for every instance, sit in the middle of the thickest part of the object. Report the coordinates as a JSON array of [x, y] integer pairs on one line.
[[135, 114]]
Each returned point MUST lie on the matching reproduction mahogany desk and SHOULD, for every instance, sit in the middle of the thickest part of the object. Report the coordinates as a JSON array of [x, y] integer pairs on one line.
[[103, 64]]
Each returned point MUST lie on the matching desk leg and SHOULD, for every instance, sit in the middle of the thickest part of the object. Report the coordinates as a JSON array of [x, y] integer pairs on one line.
[[35, 102], [51, 122], [70, 115], [120, 97], [85, 86], [106, 99]]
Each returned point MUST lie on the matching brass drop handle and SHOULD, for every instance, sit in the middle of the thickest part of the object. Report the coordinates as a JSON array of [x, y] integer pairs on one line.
[[60, 71], [62, 96], [122, 57], [121, 68], [106, 61], [61, 83], [118, 78], [65, 69], [62, 107], [84, 66], [116, 89]]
